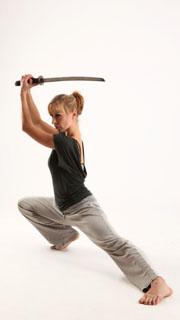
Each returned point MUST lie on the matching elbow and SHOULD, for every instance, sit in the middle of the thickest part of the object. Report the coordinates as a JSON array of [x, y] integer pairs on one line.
[[25, 127]]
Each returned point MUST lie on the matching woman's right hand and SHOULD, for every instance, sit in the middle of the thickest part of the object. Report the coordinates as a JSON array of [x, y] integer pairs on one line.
[[25, 86]]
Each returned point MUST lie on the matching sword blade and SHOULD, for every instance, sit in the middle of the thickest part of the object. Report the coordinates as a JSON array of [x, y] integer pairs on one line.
[[72, 79]]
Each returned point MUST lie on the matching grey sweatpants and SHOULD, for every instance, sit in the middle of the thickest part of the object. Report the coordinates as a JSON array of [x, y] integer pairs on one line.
[[88, 216]]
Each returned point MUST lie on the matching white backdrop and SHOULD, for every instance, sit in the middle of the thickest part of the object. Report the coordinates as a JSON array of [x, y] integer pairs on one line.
[[130, 123]]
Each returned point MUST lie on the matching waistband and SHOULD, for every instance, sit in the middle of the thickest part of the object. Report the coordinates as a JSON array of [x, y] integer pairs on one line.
[[86, 199]]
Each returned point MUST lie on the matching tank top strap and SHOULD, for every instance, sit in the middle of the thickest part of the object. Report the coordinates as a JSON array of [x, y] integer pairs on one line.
[[83, 152]]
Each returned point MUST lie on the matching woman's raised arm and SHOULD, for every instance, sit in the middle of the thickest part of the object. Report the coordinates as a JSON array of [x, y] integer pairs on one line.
[[34, 112], [28, 125]]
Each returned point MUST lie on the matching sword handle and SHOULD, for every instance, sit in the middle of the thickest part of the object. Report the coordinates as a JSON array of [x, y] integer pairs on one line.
[[39, 80]]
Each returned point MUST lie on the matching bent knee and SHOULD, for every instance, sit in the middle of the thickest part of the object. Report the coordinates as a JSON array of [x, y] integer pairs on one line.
[[24, 203]]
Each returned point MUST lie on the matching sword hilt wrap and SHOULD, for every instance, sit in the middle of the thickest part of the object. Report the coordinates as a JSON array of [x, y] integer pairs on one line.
[[39, 80]]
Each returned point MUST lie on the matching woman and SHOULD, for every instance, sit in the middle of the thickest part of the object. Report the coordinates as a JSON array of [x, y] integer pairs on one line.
[[73, 204]]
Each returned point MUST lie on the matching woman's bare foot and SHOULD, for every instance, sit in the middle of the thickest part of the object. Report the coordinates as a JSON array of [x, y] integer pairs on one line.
[[159, 290], [63, 246]]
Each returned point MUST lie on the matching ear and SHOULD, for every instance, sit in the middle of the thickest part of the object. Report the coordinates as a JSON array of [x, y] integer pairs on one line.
[[75, 113]]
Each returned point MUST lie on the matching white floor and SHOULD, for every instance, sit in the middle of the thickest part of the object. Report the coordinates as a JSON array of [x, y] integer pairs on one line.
[[80, 283]]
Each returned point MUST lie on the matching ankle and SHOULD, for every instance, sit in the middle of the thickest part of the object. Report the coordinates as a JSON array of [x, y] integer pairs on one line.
[[158, 279]]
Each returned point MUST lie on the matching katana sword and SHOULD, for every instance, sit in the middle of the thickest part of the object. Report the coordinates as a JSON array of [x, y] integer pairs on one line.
[[41, 80]]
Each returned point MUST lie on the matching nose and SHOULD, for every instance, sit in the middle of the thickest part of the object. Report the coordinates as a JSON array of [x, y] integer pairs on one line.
[[53, 121]]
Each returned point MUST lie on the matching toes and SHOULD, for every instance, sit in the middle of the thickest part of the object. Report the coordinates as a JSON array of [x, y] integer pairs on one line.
[[152, 300], [142, 300], [149, 299], [157, 300]]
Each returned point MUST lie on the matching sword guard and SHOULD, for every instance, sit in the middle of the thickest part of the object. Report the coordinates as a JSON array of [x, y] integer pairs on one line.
[[40, 80]]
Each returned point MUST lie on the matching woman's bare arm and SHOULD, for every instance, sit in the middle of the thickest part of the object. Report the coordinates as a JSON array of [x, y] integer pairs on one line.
[[35, 116], [26, 115], [28, 125]]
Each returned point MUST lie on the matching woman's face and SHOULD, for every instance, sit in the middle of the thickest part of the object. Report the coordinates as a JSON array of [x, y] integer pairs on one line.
[[62, 120]]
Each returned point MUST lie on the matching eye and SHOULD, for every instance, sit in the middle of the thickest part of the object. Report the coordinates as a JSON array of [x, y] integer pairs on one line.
[[57, 115]]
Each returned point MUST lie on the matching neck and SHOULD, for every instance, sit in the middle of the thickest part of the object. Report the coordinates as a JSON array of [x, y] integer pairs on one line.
[[73, 131]]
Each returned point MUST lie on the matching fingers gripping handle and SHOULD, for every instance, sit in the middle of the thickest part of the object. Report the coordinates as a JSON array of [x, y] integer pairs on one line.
[[38, 80]]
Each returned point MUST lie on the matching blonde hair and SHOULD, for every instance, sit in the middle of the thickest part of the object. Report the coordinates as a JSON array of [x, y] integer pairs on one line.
[[71, 102]]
